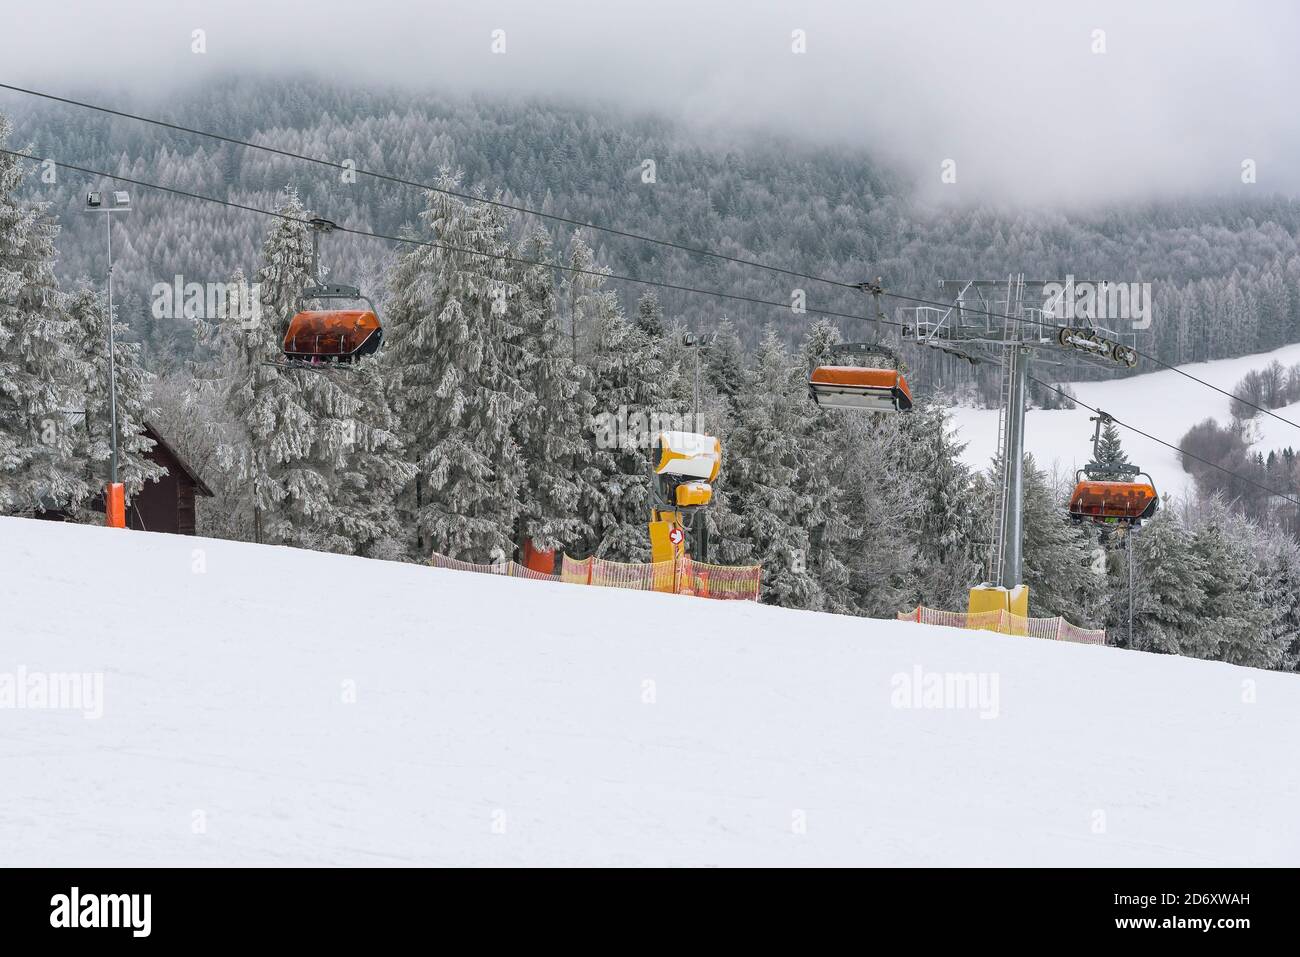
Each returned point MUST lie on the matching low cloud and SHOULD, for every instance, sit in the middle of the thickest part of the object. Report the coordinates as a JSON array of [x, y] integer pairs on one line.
[[1019, 95]]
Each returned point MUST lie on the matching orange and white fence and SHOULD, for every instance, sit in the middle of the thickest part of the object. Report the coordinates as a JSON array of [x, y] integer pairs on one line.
[[509, 569], [685, 577], [1055, 629]]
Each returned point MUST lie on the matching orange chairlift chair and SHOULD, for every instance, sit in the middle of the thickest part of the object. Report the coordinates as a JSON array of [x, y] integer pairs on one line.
[[318, 336], [1111, 494], [878, 386]]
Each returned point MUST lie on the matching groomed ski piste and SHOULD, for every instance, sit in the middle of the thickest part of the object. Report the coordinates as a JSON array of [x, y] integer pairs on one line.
[[268, 706]]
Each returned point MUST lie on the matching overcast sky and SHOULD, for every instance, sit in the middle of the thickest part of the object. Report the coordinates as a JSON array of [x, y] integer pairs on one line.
[[1013, 92]]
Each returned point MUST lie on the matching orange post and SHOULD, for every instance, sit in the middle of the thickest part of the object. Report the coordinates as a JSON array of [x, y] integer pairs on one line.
[[115, 505]]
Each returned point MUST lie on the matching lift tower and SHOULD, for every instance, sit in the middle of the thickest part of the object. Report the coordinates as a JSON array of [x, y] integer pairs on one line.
[[1010, 322]]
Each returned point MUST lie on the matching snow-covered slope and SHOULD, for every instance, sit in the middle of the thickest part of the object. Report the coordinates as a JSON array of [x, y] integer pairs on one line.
[[1164, 404], [502, 721]]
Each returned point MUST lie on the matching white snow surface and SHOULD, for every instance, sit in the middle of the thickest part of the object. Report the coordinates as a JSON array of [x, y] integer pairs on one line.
[[1163, 404], [508, 722]]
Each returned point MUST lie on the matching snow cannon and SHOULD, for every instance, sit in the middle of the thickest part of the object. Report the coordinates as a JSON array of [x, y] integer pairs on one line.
[[687, 463], [684, 465]]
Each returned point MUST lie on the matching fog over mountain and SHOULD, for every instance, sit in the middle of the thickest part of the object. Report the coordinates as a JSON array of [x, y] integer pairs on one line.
[[1018, 94]]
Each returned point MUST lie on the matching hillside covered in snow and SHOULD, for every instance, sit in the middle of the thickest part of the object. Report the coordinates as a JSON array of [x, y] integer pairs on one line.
[[1162, 403], [245, 704]]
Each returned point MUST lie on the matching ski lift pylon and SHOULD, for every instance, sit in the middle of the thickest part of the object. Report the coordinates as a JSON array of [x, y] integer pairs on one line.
[[317, 336], [876, 387], [1107, 493]]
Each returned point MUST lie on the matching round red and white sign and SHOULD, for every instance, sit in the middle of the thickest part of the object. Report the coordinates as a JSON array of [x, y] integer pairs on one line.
[[676, 536]]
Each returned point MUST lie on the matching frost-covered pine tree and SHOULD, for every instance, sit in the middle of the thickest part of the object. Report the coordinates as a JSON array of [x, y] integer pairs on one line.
[[89, 314], [1233, 622], [878, 496], [552, 427], [1059, 556], [452, 382], [377, 472], [625, 375], [273, 429], [945, 509], [1110, 448], [1280, 566], [826, 483], [765, 457], [1169, 587], [41, 370], [650, 315], [724, 360], [286, 405]]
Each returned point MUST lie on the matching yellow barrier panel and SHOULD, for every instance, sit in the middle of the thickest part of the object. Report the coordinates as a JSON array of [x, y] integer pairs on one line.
[[1003, 622]]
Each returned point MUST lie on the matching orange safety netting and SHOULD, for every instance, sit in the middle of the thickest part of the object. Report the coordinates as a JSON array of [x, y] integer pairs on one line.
[[510, 569], [686, 577], [1056, 629], [721, 581], [658, 576], [575, 571]]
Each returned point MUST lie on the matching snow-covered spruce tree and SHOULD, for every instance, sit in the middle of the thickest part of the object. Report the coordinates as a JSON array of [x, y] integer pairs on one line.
[[827, 484], [1280, 565], [766, 455], [319, 476], [213, 394], [626, 376], [650, 315], [724, 360], [308, 418], [452, 382], [552, 427], [89, 313], [265, 400], [359, 453], [41, 370], [1169, 587], [944, 511], [1059, 556], [1233, 622], [1110, 448], [878, 496]]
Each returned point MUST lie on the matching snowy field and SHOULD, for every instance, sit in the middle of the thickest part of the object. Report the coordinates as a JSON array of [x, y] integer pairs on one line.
[[268, 706], [1164, 404]]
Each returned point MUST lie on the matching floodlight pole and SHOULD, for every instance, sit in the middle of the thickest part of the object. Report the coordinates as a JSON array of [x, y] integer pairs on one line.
[[695, 418], [118, 202], [691, 340], [112, 361]]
